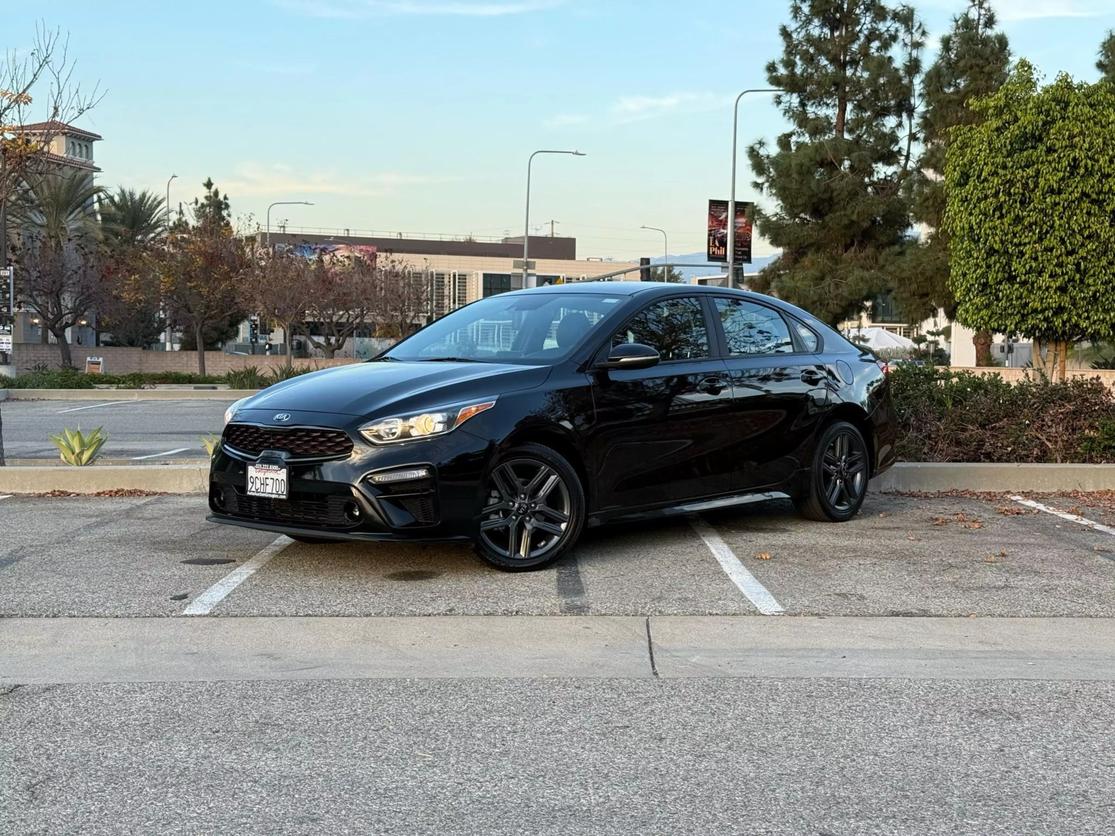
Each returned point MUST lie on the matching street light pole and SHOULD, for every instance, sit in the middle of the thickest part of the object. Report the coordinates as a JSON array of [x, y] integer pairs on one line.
[[665, 251], [732, 199], [281, 203], [173, 177], [526, 226]]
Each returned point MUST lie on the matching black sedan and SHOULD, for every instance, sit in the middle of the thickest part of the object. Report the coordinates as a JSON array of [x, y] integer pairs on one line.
[[519, 419]]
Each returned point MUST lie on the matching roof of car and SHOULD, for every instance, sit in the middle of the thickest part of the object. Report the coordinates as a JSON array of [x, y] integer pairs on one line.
[[626, 288]]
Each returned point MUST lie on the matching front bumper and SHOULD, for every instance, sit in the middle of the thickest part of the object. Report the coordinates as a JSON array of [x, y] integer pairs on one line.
[[337, 499]]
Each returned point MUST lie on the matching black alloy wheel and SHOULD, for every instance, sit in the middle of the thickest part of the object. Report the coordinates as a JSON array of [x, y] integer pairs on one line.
[[534, 509], [838, 480]]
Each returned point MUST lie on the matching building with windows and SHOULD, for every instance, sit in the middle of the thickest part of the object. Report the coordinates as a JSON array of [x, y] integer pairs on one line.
[[65, 145], [464, 269]]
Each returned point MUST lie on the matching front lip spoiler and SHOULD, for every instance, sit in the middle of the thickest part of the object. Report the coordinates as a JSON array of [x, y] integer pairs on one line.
[[339, 536]]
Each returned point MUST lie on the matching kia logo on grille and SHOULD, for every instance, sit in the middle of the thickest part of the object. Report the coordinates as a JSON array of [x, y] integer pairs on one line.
[[282, 417]]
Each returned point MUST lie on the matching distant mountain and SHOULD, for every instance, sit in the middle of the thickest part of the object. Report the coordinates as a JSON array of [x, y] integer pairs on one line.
[[711, 268]]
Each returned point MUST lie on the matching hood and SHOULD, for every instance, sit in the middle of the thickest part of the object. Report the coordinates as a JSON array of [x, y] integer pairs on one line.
[[378, 388]]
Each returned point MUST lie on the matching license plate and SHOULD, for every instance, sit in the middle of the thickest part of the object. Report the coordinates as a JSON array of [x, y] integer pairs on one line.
[[268, 480]]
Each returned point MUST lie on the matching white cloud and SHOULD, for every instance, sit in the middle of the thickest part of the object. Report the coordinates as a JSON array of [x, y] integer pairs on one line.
[[457, 8], [257, 179], [633, 108]]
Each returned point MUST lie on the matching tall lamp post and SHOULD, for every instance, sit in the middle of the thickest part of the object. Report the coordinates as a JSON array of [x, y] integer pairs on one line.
[[732, 199], [173, 177], [281, 203], [665, 251], [526, 226]]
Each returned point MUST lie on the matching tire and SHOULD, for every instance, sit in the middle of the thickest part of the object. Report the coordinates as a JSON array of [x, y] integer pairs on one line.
[[838, 476], [534, 509]]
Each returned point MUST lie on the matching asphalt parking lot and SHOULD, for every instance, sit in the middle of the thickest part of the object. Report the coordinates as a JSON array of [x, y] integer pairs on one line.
[[904, 556], [867, 706], [138, 431]]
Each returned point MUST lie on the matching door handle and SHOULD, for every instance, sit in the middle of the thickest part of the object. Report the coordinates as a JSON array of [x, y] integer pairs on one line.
[[811, 376], [712, 385]]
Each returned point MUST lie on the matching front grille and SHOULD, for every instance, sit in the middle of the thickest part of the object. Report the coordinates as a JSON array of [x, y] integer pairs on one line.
[[299, 442], [324, 511]]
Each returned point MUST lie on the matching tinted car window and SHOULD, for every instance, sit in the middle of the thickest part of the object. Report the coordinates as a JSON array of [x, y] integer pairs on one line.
[[807, 337], [528, 328], [675, 327], [753, 329]]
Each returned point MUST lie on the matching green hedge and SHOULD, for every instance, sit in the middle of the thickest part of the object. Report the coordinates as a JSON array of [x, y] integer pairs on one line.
[[947, 416], [250, 377]]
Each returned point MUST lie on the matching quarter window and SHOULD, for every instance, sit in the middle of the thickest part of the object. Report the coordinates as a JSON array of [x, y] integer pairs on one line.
[[675, 327], [753, 329]]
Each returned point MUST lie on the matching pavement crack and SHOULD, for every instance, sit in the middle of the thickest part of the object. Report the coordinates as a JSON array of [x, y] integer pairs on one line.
[[10, 689], [650, 650]]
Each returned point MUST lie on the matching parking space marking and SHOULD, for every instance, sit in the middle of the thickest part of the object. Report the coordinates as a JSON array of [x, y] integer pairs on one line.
[[6, 496], [1064, 515], [91, 406], [747, 583], [204, 603], [156, 455]]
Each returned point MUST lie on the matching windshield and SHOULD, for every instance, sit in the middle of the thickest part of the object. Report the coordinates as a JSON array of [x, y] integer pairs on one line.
[[510, 328]]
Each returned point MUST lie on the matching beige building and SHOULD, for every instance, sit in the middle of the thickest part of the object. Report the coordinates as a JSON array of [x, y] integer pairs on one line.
[[66, 145], [466, 269]]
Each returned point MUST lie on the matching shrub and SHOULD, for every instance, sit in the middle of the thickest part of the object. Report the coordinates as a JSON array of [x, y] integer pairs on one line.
[[947, 416], [249, 377], [210, 443], [44, 378], [286, 372], [79, 449]]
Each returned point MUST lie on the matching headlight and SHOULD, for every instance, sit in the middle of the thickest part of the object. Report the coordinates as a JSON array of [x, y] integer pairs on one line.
[[423, 424], [230, 413]]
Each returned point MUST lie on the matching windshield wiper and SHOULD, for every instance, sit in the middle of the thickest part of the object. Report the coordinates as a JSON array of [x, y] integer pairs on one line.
[[450, 360]]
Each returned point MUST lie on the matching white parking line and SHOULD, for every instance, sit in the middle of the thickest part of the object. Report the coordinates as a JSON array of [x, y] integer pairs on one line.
[[6, 496], [204, 603], [1064, 515], [156, 455], [91, 406], [748, 584]]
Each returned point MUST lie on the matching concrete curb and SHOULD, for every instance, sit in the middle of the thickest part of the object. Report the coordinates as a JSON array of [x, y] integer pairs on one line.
[[911, 477], [931, 477], [126, 394], [175, 478]]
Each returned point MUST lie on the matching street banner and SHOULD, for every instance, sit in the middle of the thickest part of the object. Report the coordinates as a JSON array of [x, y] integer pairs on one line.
[[717, 249]]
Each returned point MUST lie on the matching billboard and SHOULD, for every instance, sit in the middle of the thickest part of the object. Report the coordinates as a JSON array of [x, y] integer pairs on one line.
[[717, 249], [331, 251]]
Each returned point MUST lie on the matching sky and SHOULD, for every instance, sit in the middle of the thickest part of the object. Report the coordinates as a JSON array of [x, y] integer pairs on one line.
[[418, 116]]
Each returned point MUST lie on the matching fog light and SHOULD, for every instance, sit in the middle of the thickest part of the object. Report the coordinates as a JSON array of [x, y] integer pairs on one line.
[[400, 475], [352, 512]]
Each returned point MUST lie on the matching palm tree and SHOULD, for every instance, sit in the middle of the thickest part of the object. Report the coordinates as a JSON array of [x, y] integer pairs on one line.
[[130, 218], [59, 206]]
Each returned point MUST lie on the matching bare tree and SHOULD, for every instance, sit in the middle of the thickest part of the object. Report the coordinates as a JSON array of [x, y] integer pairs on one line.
[[342, 300], [36, 85], [402, 299], [279, 287], [202, 268], [61, 283], [22, 154]]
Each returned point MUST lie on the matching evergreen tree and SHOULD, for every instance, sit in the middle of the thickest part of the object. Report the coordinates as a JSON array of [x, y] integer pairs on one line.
[[1106, 62], [973, 62], [847, 71]]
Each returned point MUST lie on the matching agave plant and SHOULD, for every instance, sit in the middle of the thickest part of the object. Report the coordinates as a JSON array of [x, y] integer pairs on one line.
[[77, 448], [211, 442]]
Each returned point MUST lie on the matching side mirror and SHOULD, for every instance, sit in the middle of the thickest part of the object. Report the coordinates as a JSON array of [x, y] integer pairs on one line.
[[631, 356]]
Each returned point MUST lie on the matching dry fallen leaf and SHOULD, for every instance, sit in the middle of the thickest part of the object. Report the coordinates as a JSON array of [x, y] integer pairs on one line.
[[762, 555]]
